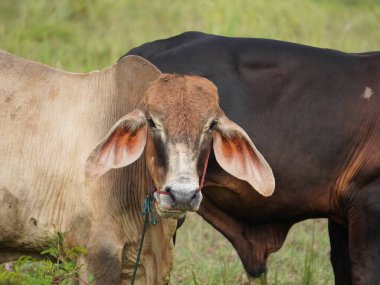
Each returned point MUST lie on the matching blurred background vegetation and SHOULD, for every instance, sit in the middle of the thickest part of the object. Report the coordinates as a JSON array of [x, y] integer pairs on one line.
[[85, 35]]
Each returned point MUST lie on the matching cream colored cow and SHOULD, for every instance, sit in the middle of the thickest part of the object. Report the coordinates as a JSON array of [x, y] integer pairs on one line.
[[50, 120]]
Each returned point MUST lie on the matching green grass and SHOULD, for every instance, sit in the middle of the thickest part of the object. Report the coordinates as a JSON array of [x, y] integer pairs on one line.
[[59, 267], [85, 35], [204, 255]]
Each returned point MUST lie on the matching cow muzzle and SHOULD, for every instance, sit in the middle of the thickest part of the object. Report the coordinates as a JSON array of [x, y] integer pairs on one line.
[[177, 198]]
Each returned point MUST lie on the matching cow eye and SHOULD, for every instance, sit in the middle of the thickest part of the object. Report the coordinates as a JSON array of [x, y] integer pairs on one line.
[[213, 124], [151, 123]]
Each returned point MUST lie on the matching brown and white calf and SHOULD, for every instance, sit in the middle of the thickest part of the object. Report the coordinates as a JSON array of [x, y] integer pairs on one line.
[[50, 122]]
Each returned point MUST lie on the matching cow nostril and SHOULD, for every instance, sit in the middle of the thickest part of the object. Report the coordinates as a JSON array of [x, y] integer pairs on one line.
[[195, 195], [168, 191], [181, 196]]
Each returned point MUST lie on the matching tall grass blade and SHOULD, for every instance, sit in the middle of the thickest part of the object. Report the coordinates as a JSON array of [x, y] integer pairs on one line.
[[263, 279], [309, 259], [195, 282]]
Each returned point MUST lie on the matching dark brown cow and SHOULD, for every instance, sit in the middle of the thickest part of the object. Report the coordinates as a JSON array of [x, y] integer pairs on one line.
[[314, 114]]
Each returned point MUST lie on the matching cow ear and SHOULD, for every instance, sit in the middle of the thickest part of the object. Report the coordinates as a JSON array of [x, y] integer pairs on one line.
[[123, 145], [236, 154]]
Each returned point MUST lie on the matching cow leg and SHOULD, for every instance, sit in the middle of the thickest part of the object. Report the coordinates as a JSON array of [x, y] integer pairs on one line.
[[364, 234], [103, 261], [339, 255], [253, 243], [179, 224]]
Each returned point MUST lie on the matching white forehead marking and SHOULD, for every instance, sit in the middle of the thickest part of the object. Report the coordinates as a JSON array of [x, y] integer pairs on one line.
[[181, 163], [181, 159], [367, 93]]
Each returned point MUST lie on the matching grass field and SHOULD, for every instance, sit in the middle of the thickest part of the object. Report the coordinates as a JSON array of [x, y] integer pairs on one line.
[[84, 35]]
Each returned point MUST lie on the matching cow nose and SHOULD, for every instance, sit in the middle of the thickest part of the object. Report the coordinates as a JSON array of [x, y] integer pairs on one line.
[[184, 198]]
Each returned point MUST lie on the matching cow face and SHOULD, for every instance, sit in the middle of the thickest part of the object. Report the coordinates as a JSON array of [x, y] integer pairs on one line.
[[177, 123], [181, 112]]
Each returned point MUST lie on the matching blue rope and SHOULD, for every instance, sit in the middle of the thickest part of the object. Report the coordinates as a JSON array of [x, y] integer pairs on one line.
[[148, 208]]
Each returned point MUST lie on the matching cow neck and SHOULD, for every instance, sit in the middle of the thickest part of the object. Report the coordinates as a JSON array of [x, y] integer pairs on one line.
[[201, 183]]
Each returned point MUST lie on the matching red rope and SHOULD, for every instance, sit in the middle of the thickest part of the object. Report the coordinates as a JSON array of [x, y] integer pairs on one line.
[[204, 173]]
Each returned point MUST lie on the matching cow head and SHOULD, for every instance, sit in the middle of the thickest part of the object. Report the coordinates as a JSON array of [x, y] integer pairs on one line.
[[177, 123]]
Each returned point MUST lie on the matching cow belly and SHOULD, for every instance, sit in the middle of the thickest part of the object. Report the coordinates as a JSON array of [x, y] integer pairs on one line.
[[31, 217], [20, 228]]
